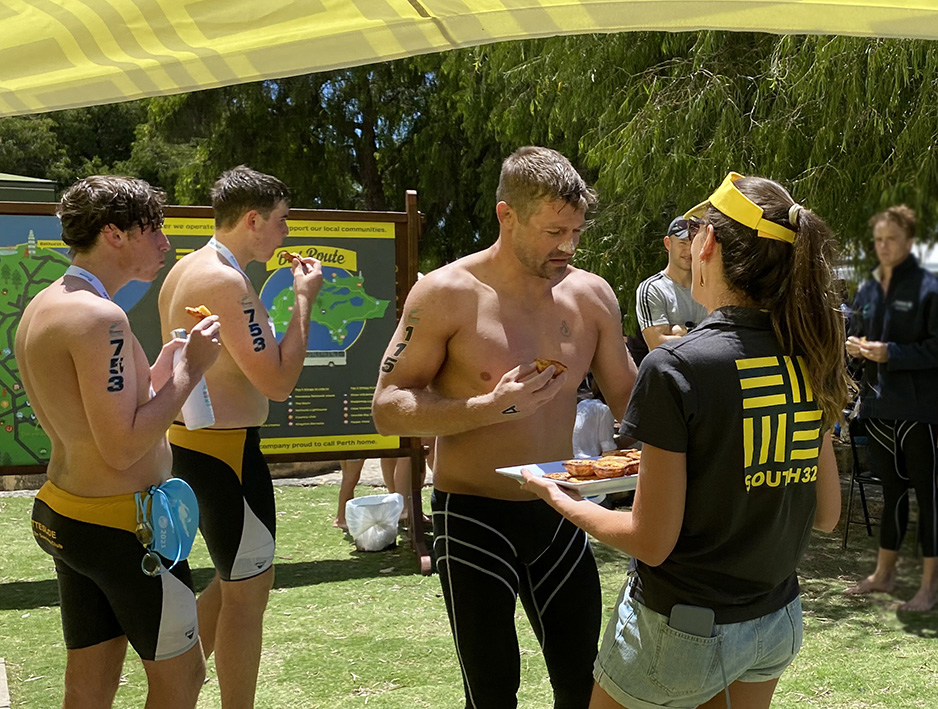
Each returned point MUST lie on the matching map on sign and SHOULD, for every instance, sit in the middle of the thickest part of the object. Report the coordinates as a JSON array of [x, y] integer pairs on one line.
[[32, 256], [350, 325], [338, 316], [25, 269]]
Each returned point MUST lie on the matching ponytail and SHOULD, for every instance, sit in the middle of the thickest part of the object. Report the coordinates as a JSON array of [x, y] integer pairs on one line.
[[808, 320]]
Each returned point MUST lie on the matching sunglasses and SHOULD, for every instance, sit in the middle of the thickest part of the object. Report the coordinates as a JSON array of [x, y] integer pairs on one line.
[[693, 226]]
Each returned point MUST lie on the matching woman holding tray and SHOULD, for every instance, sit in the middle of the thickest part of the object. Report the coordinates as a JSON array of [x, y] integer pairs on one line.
[[737, 464]]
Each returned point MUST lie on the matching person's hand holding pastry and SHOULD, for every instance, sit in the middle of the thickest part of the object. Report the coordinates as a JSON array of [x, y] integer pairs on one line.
[[542, 364], [874, 351], [854, 344], [307, 274], [526, 388], [199, 313]]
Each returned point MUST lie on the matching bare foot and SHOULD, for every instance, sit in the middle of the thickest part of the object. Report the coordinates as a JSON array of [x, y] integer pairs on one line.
[[340, 524], [922, 601], [873, 584]]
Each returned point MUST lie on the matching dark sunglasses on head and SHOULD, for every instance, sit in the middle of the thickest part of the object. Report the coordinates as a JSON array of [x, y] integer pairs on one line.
[[693, 226], [678, 229]]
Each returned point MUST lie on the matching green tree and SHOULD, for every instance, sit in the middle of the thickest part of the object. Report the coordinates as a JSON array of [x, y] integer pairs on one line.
[[97, 138], [334, 137], [658, 119], [654, 120], [350, 139], [67, 145], [159, 161], [29, 146]]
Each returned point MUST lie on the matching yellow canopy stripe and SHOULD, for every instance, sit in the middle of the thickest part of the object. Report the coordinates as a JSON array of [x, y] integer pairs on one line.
[[58, 54]]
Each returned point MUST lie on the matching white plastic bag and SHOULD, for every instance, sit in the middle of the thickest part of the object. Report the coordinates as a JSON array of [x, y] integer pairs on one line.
[[594, 429], [372, 520]]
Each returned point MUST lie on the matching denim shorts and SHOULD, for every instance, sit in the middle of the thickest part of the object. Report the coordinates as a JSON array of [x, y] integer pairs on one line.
[[643, 663]]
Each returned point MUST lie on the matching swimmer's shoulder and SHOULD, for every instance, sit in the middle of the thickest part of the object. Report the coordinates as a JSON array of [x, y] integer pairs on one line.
[[450, 285]]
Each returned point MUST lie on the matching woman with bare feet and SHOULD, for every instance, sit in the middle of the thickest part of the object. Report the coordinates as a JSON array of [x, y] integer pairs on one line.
[[894, 331]]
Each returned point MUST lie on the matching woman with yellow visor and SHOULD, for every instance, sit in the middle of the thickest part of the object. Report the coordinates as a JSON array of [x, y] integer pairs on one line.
[[737, 464]]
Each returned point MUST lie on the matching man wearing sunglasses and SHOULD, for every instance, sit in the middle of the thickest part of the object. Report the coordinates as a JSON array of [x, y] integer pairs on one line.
[[665, 308]]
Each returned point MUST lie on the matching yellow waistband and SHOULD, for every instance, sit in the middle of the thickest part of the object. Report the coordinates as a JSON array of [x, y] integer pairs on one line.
[[117, 511], [225, 444]]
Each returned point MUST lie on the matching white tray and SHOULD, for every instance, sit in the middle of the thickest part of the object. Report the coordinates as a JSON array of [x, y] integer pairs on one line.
[[588, 488]]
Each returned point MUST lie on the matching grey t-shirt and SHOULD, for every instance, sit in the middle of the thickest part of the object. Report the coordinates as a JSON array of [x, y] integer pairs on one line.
[[661, 301]]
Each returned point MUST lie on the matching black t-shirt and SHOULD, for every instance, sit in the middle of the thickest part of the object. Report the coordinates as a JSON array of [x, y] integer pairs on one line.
[[743, 412]]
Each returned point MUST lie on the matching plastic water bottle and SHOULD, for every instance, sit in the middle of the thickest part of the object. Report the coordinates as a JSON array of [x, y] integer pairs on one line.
[[197, 410]]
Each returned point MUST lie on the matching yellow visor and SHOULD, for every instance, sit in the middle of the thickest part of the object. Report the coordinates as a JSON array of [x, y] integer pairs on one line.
[[730, 201]]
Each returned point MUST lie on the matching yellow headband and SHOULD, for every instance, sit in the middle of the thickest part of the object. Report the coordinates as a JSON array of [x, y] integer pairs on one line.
[[730, 201]]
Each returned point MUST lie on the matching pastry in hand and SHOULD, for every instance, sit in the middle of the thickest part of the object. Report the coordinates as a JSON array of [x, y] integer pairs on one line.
[[543, 364], [199, 313]]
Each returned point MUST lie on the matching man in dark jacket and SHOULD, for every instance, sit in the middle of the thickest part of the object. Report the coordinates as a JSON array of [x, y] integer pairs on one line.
[[894, 333]]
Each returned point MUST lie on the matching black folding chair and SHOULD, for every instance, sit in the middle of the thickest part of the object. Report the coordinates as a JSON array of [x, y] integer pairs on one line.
[[860, 477]]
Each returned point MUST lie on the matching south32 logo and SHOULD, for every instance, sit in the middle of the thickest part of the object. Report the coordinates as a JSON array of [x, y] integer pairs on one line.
[[781, 422]]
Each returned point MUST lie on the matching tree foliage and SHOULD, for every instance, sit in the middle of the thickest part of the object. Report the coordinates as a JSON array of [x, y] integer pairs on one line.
[[334, 137], [67, 145], [654, 120], [847, 124]]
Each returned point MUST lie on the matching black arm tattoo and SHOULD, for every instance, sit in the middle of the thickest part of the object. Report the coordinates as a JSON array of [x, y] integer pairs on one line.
[[255, 331], [391, 360], [115, 381]]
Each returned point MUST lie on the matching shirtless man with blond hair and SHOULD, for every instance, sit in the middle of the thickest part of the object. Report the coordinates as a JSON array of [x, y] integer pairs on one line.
[[106, 412], [461, 367], [224, 464]]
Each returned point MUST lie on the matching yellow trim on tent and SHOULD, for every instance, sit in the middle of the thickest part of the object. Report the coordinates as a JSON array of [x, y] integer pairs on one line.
[[67, 53]]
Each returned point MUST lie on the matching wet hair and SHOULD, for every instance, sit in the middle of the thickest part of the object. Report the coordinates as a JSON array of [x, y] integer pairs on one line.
[[900, 215], [241, 189], [532, 174], [93, 203], [794, 282]]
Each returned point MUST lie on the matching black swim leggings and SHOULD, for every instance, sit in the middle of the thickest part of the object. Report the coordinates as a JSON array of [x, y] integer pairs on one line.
[[903, 456], [488, 552]]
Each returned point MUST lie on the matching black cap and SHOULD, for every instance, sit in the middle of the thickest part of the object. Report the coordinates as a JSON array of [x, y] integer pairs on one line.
[[678, 228]]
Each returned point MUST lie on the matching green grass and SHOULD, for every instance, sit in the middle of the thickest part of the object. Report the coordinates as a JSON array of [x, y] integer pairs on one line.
[[351, 629]]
